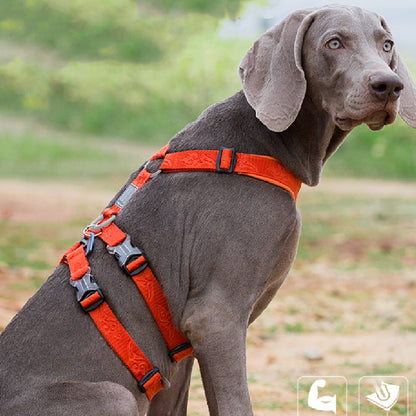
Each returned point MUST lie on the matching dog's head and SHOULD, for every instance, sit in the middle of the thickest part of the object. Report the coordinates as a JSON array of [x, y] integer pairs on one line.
[[343, 58]]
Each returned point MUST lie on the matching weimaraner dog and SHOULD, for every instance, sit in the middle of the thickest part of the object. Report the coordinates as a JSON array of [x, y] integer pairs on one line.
[[220, 244]]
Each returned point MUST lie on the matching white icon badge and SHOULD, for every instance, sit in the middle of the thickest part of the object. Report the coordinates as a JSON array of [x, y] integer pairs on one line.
[[383, 395], [324, 403], [322, 396]]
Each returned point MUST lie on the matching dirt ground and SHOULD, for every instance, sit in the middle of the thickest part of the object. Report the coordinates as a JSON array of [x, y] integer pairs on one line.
[[350, 334]]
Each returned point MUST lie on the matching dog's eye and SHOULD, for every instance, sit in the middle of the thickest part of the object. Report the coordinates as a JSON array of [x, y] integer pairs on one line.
[[334, 44], [388, 46]]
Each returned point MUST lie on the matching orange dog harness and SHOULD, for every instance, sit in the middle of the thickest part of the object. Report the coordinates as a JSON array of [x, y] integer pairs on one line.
[[133, 262]]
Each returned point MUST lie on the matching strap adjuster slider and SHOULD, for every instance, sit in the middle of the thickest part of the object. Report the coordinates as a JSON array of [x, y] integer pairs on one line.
[[127, 257], [147, 377], [228, 157]]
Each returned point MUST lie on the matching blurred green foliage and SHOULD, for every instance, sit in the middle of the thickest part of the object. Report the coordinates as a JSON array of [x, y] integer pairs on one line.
[[142, 71], [30, 156], [104, 68], [81, 30], [213, 7], [385, 154]]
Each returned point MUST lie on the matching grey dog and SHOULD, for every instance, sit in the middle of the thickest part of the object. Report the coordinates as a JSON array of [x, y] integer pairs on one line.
[[220, 245]]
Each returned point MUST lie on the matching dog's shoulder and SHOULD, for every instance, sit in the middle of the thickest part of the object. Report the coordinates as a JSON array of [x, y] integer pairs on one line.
[[230, 123]]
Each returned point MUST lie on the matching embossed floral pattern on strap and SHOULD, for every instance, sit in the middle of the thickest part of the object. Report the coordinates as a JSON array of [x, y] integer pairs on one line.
[[260, 167]]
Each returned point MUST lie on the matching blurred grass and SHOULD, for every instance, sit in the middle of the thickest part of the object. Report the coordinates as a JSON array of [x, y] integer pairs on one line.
[[113, 72], [111, 69], [82, 30], [21, 246], [147, 103], [56, 156], [385, 154], [35, 157], [214, 7]]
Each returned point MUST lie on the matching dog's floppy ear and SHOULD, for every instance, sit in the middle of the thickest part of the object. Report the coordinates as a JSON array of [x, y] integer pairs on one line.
[[407, 104], [271, 72]]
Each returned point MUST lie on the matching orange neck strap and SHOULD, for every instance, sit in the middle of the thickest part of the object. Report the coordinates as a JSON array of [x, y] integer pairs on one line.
[[226, 160]]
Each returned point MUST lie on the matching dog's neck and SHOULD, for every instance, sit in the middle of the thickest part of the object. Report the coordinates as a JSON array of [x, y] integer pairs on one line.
[[303, 148], [308, 143]]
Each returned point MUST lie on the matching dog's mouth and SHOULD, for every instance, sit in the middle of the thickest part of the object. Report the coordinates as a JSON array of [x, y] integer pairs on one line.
[[375, 121], [346, 124], [379, 120]]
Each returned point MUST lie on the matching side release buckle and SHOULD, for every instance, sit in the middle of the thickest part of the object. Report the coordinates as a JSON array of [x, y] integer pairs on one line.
[[129, 257], [87, 292]]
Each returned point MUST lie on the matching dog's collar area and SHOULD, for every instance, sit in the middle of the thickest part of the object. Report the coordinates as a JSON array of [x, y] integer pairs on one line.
[[227, 160], [135, 265]]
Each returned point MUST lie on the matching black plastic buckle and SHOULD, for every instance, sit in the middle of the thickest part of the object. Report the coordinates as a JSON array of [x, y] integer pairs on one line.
[[177, 349], [86, 287], [125, 253], [232, 164], [146, 378]]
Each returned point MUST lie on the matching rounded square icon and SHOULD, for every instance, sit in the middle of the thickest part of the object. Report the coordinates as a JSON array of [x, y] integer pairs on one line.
[[322, 395], [383, 395]]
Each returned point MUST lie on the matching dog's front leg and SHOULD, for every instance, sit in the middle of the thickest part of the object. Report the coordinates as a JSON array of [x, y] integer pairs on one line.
[[218, 336], [174, 400]]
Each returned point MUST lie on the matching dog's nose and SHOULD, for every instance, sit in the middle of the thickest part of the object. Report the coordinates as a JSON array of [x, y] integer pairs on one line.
[[385, 87]]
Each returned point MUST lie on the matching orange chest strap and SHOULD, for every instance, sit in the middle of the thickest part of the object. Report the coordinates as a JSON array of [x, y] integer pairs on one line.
[[132, 260], [92, 300]]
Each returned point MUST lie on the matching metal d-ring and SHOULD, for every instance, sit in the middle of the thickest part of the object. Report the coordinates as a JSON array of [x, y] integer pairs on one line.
[[97, 225]]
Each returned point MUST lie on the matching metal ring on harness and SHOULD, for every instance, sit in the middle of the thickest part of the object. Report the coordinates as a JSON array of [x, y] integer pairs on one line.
[[97, 225]]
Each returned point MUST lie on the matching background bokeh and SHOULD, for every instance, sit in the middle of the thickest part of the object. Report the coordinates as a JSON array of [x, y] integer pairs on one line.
[[90, 89]]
